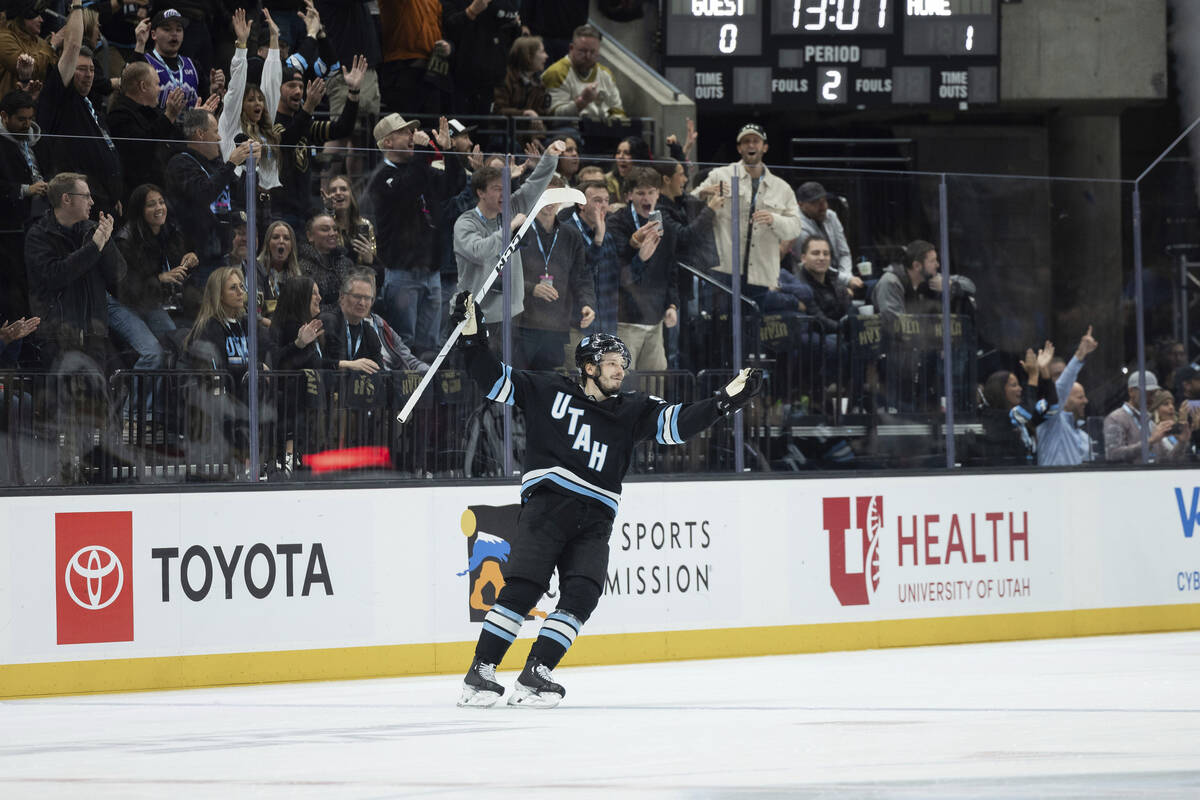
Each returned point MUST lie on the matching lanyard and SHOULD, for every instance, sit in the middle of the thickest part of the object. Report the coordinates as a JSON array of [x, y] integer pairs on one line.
[[482, 217], [579, 224], [636, 225], [96, 117], [546, 256], [174, 78], [357, 342]]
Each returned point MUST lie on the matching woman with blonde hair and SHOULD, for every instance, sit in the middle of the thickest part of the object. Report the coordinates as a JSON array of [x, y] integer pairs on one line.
[[250, 109], [276, 263], [522, 93], [217, 340]]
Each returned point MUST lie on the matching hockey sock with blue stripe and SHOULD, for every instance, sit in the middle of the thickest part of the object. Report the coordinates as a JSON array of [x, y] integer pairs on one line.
[[500, 629], [555, 638]]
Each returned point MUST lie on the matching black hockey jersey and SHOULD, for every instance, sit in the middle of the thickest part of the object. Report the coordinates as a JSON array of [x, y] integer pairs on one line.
[[576, 444]]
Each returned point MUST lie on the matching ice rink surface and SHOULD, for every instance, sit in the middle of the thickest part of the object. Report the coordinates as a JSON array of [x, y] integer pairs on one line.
[[1093, 717]]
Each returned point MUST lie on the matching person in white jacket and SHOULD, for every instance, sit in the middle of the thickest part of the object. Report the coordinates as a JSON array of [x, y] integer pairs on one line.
[[767, 214], [250, 109]]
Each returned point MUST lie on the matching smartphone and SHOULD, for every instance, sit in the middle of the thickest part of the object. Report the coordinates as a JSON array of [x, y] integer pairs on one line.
[[656, 217], [363, 229]]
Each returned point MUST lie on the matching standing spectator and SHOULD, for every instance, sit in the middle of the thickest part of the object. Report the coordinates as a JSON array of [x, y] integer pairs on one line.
[[1176, 445], [350, 339], [521, 93], [322, 257], [414, 75], [22, 197], [767, 214], [175, 70], [479, 237], [64, 109], [1123, 427], [602, 252], [276, 263], [356, 233], [405, 193], [72, 263], [481, 32], [199, 186], [578, 85], [631, 151], [1061, 439], [158, 265], [555, 21], [352, 31], [557, 282], [143, 130], [816, 218], [21, 34], [250, 109], [649, 287], [1015, 409], [293, 199]]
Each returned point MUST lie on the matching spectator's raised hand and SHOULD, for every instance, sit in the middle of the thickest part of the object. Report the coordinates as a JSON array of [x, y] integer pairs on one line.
[[442, 134], [38, 189], [309, 332], [274, 44], [312, 19], [25, 65], [692, 135], [216, 82], [515, 169], [1087, 345], [651, 235], [517, 221], [211, 104], [556, 148], [316, 91], [477, 7], [1030, 363], [420, 138], [475, 159], [354, 76], [670, 317], [11, 331], [364, 249], [587, 317], [1160, 430], [241, 27], [141, 35], [240, 153], [1044, 357]]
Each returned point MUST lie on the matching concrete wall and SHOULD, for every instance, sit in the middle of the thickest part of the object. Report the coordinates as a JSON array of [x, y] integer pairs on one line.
[[1081, 50]]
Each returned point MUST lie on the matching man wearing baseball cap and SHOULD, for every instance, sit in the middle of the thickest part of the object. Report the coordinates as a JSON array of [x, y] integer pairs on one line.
[[767, 214], [165, 31], [1123, 427], [406, 193], [817, 219]]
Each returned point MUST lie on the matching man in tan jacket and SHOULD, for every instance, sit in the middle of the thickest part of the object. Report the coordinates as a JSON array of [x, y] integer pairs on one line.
[[22, 34], [767, 214]]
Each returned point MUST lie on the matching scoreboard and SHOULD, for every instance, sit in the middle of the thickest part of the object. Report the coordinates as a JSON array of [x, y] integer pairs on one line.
[[834, 53]]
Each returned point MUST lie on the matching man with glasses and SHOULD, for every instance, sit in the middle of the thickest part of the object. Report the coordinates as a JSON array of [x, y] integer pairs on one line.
[[76, 133], [580, 435], [350, 338], [71, 263]]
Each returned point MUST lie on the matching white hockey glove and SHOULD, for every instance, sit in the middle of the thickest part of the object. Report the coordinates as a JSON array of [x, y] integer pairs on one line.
[[740, 390]]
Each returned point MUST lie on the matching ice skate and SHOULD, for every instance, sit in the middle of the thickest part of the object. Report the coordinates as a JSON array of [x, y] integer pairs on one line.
[[534, 687], [480, 689]]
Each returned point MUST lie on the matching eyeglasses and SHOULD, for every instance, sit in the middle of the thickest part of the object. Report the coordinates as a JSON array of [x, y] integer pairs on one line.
[[237, 287], [88, 70], [88, 195], [361, 298]]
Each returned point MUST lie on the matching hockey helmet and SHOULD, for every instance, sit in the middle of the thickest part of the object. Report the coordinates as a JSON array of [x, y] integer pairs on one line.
[[592, 348]]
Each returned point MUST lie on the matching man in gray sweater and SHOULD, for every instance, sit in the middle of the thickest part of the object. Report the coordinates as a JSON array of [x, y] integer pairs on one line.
[[479, 238]]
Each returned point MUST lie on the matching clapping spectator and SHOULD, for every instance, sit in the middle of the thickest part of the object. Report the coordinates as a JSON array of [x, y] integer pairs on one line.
[[1016, 408], [1123, 427], [1061, 439], [21, 36], [142, 129], [297, 333], [579, 86], [159, 263], [1176, 443], [72, 263]]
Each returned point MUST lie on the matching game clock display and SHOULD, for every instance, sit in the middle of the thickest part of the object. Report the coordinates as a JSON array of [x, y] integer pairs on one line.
[[824, 53]]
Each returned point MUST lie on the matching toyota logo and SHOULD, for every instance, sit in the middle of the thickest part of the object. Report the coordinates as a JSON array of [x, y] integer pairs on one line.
[[94, 564]]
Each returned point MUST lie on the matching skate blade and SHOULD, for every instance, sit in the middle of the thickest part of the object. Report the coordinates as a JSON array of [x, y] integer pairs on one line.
[[475, 698], [525, 699]]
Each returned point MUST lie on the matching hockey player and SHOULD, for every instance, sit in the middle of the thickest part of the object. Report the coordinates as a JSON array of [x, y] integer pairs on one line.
[[580, 441]]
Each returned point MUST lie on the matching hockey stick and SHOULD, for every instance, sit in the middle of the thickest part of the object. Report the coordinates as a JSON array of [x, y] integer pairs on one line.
[[548, 197]]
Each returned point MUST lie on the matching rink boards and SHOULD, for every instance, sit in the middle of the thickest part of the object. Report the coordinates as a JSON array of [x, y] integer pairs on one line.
[[125, 592]]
